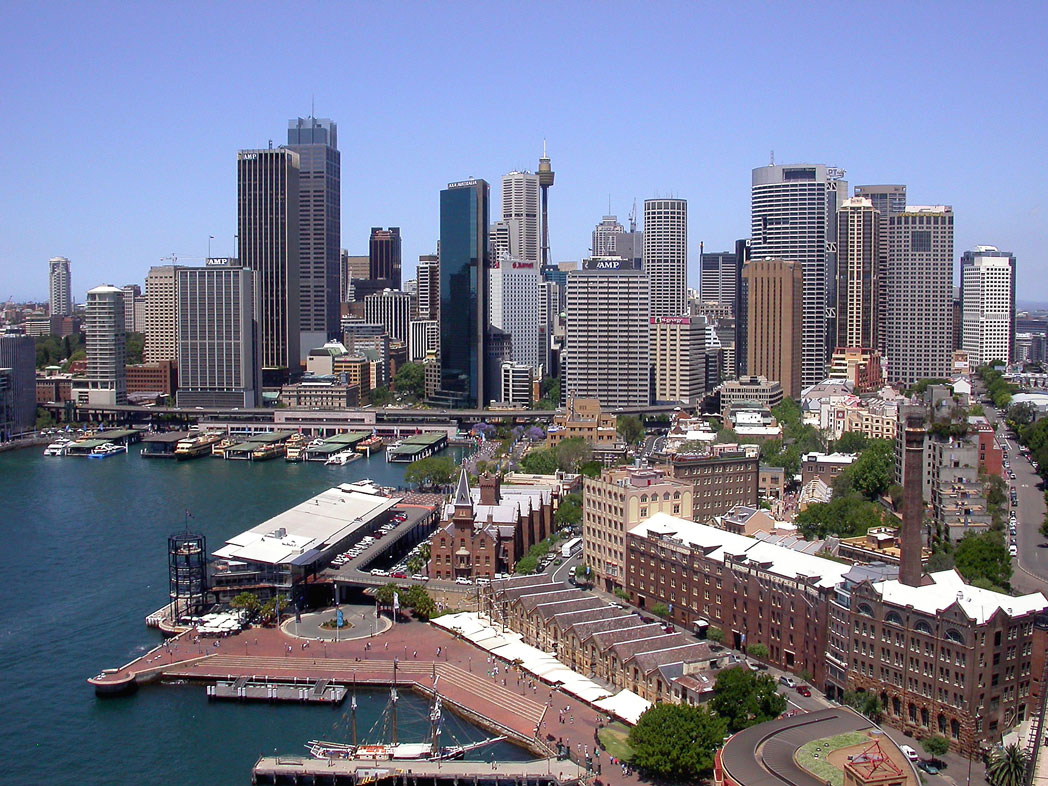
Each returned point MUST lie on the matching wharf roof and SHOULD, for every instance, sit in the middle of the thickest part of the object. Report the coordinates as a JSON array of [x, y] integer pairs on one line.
[[717, 544], [569, 604], [657, 642], [538, 599], [640, 630], [689, 652], [947, 587], [587, 628], [318, 523], [165, 437], [572, 618]]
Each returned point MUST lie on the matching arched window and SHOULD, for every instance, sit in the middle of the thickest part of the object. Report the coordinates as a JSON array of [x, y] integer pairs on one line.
[[676, 495], [893, 617], [923, 627], [865, 610], [954, 635], [643, 497]]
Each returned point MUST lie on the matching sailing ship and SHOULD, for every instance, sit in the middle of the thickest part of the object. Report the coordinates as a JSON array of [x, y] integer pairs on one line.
[[429, 749]]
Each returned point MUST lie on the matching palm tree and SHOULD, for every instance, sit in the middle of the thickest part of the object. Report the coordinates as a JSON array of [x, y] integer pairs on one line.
[[1007, 766]]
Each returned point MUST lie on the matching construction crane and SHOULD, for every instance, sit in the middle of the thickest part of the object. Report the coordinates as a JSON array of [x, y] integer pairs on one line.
[[173, 259], [633, 216]]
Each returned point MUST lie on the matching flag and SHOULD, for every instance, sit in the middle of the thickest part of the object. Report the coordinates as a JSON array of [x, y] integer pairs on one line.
[[396, 601], [339, 618]]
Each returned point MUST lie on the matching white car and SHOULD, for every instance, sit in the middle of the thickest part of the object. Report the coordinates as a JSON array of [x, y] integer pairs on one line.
[[1013, 551], [461, 580], [910, 753]]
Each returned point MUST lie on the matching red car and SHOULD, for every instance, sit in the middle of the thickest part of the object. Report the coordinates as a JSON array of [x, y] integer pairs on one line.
[[401, 575], [804, 690]]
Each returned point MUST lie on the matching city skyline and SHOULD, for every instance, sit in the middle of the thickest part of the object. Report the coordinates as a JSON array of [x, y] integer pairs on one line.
[[174, 199]]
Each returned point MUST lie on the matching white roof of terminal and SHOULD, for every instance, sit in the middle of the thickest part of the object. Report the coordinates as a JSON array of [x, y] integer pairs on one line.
[[316, 523], [948, 587], [778, 560]]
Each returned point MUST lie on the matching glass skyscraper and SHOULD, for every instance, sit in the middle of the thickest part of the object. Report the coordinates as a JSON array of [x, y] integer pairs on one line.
[[464, 261]]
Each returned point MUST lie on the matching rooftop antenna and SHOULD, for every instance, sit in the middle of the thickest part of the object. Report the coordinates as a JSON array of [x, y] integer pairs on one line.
[[772, 158], [609, 204], [313, 106]]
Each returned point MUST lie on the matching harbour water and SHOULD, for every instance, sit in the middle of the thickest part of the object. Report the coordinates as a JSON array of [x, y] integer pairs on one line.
[[82, 563]]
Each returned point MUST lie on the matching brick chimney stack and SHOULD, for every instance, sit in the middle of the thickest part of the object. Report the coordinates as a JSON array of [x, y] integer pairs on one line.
[[913, 428], [489, 489]]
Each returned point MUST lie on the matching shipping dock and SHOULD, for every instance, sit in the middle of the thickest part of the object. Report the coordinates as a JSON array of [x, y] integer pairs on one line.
[[417, 446]]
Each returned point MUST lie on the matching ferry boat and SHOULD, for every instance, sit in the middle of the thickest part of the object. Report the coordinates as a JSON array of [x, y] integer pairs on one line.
[[268, 451], [343, 457], [220, 447], [193, 447], [106, 450], [370, 445], [295, 444]]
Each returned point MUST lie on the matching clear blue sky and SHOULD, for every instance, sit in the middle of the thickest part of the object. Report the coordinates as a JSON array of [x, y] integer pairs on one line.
[[121, 121]]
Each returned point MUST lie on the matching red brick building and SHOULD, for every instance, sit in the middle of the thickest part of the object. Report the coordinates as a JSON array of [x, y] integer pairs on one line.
[[158, 377], [991, 457], [721, 481], [486, 531]]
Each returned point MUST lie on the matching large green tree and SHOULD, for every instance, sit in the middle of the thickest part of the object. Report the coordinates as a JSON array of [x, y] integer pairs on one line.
[[569, 511], [984, 556], [847, 516], [540, 462], [411, 379], [431, 471], [134, 343], [573, 453], [1007, 766], [873, 473], [676, 742], [745, 698], [629, 428]]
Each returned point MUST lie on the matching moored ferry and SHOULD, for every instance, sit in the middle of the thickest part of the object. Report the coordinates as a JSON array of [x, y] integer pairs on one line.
[[193, 447], [268, 451]]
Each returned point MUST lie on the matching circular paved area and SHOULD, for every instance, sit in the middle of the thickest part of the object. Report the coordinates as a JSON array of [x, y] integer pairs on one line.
[[360, 623]]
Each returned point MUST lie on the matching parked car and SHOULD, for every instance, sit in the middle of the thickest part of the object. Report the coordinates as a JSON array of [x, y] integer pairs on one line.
[[910, 753], [787, 681], [400, 575], [804, 690], [928, 767]]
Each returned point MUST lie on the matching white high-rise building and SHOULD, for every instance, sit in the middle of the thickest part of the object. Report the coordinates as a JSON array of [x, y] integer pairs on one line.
[[106, 349], [607, 337], [60, 286], [919, 293], [425, 338], [428, 276], [506, 239], [161, 314], [517, 384], [392, 309], [794, 217], [520, 204], [988, 305], [666, 255], [605, 237], [514, 298]]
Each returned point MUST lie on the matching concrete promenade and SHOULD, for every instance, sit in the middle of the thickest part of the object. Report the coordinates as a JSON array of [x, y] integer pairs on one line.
[[466, 677]]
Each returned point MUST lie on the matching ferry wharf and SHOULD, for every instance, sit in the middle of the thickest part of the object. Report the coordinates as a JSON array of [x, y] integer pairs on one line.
[[296, 770]]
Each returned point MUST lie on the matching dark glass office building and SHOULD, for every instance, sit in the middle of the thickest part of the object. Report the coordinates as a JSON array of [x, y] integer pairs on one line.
[[464, 261], [320, 228], [384, 255]]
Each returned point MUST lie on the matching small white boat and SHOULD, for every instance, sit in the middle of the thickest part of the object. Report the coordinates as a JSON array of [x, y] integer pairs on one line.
[[57, 448], [343, 457]]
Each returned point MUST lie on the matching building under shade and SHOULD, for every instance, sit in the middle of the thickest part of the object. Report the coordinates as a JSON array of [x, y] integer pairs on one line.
[[464, 262]]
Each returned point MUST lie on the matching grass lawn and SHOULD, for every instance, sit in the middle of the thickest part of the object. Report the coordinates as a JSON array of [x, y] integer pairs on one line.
[[813, 756], [613, 740]]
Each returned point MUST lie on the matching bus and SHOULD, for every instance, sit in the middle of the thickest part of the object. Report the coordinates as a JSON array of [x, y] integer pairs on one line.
[[570, 546]]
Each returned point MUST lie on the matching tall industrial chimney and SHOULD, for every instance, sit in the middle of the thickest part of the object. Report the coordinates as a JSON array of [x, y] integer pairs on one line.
[[914, 431]]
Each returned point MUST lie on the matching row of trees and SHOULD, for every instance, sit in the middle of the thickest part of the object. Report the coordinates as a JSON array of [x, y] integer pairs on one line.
[[797, 438], [997, 387]]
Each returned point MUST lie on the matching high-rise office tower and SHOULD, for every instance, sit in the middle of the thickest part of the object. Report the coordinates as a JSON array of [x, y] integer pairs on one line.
[[546, 176], [606, 340], [393, 309], [605, 237], [506, 239], [666, 255], [520, 213], [988, 305], [888, 200], [424, 338], [919, 294], [775, 293], [351, 268], [858, 306], [161, 314], [18, 353], [267, 222], [679, 356], [106, 347], [794, 217], [428, 276], [384, 254], [514, 297], [134, 306], [464, 263], [718, 275], [319, 227], [60, 286], [217, 337], [742, 254]]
